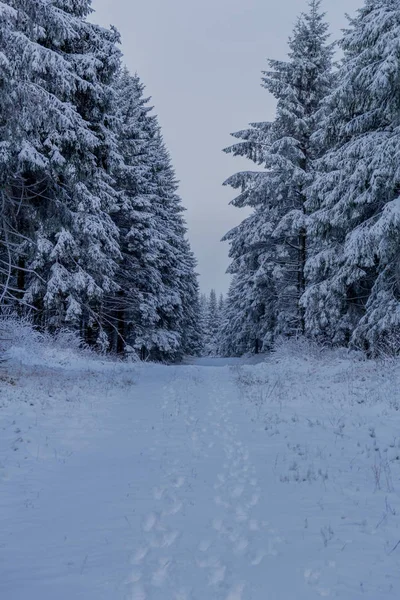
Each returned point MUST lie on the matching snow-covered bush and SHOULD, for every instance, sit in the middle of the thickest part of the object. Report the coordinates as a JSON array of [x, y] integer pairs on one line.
[[296, 347], [19, 336], [301, 347], [18, 331]]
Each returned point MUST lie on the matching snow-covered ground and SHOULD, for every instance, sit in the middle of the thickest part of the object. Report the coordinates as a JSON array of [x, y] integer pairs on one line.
[[276, 481]]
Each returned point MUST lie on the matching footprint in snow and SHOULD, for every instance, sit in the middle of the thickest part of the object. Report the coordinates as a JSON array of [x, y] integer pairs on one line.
[[169, 538], [179, 482], [204, 545], [134, 577], [161, 573], [237, 491], [218, 575], [150, 522], [138, 592], [159, 493], [258, 558], [139, 555], [236, 592]]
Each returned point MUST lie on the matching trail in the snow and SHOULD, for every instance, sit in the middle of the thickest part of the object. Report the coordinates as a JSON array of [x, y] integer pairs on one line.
[[208, 544], [155, 567], [147, 482], [235, 542]]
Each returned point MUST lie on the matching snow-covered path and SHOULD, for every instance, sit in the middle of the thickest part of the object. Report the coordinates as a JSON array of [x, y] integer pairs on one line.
[[154, 498], [176, 483]]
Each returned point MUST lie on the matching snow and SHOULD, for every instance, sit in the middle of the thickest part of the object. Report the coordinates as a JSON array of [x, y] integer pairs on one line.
[[214, 480]]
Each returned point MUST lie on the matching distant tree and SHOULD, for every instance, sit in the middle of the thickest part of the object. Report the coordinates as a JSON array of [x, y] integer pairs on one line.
[[248, 322], [212, 325], [221, 303]]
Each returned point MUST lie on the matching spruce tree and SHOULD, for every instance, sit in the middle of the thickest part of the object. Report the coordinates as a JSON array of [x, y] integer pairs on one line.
[[9, 240], [132, 308], [62, 155], [221, 303], [248, 324], [175, 261], [269, 250], [354, 292], [212, 325], [156, 308], [241, 322], [203, 307]]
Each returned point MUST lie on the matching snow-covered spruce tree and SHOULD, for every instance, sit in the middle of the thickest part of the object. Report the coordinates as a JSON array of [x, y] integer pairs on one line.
[[178, 327], [192, 332], [354, 292], [248, 320], [221, 304], [212, 325], [272, 244], [156, 308], [132, 308], [63, 156], [8, 205], [238, 334]]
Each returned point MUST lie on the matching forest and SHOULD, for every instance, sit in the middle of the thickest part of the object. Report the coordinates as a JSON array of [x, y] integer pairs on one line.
[[93, 237], [159, 441]]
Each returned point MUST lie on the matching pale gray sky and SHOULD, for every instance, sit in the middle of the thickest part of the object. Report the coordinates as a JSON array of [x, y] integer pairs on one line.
[[201, 61]]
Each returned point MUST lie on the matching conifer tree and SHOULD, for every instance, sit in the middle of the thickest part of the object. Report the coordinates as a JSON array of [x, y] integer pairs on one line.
[[270, 249], [192, 332], [92, 233], [9, 241], [354, 292], [156, 307], [221, 302], [175, 261], [248, 324], [212, 325], [132, 309], [62, 154]]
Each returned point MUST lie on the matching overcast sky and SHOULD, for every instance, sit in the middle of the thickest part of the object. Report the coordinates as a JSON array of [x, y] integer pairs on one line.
[[201, 62]]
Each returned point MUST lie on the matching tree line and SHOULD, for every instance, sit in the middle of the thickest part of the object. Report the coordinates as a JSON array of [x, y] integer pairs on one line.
[[92, 231], [319, 254]]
